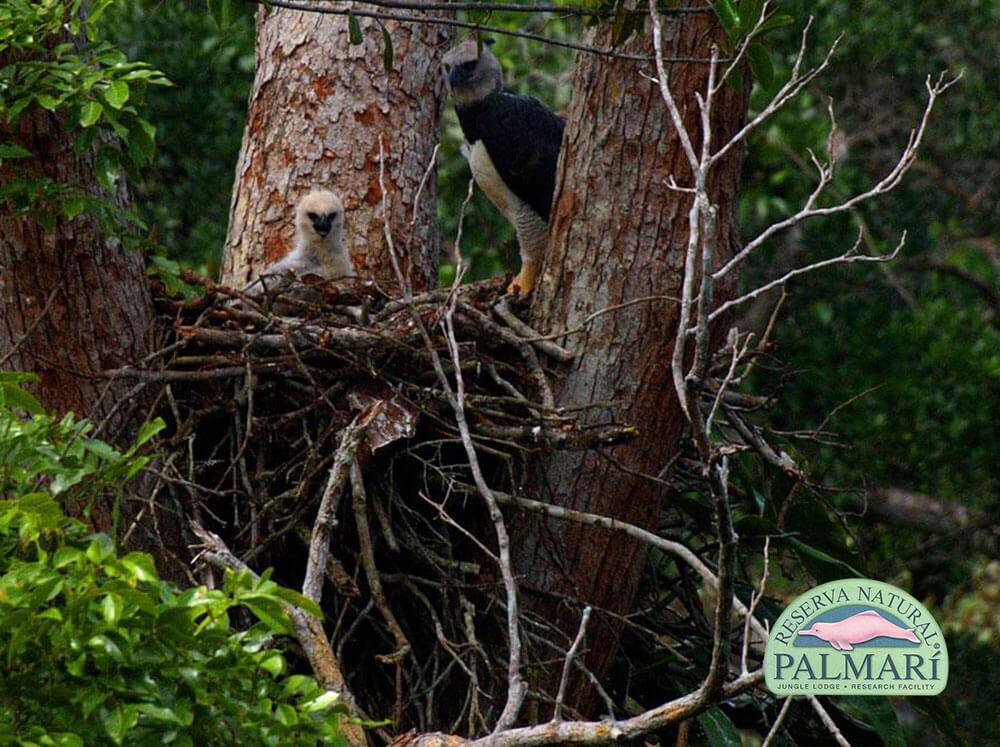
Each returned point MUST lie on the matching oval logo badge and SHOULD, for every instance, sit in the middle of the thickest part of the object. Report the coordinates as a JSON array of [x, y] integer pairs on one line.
[[856, 637]]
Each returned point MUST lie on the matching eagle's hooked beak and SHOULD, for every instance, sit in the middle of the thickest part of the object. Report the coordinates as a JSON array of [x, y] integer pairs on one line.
[[322, 225], [459, 74]]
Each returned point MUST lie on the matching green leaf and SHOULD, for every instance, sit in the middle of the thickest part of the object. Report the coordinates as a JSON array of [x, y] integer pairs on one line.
[[105, 645], [15, 109], [142, 141], [354, 29], [388, 53], [761, 65], [749, 12], [270, 613], [835, 565], [719, 729], [148, 430], [119, 722], [223, 12], [90, 113], [141, 566], [111, 608], [728, 17], [13, 150], [876, 714], [321, 702], [776, 22], [159, 713], [47, 102], [117, 94], [52, 613], [14, 397], [273, 663], [76, 666], [299, 600], [72, 207]]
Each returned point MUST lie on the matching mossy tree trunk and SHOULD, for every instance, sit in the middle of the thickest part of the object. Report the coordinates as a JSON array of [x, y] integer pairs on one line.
[[318, 108]]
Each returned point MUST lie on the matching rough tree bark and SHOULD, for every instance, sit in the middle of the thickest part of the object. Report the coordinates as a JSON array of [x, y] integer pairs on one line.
[[619, 234], [73, 302], [317, 110]]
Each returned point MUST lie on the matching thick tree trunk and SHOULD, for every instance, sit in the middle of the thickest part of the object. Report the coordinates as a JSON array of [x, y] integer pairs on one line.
[[317, 111], [73, 302], [619, 234]]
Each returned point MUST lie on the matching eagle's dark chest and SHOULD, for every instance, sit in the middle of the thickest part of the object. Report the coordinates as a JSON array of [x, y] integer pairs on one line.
[[522, 139]]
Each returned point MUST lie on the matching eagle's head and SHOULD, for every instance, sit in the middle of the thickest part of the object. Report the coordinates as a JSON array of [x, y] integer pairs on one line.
[[472, 72], [319, 215]]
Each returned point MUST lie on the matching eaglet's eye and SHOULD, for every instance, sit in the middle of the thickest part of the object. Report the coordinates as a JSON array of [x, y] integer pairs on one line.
[[470, 65], [312, 216]]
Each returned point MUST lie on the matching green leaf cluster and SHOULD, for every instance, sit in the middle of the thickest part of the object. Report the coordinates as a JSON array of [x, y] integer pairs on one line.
[[744, 19], [95, 648], [184, 193], [54, 62]]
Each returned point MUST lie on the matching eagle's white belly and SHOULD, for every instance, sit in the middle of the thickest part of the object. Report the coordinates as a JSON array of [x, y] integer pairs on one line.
[[531, 228]]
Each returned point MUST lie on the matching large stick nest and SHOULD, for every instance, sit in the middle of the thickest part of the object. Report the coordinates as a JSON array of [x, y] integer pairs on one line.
[[258, 390]]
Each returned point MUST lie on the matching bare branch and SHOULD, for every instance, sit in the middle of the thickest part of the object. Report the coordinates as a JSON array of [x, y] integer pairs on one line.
[[319, 544], [828, 721], [607, 522], [757, 597], [360, 508], [886, 184], [849, 257], [664, 83], [516, 687], [562, 10], [776, 726], [308, 7], [567, 665]]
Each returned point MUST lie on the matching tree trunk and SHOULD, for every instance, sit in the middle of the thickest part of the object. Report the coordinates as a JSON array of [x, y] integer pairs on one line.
[[73, 302], [317, 110], [619, 234]]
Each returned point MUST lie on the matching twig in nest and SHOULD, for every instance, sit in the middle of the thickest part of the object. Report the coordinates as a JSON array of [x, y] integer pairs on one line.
[[360, 507], [319, 545]]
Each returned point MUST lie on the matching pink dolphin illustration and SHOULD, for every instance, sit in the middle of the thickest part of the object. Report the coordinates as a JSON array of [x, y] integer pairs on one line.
[[859, 628]]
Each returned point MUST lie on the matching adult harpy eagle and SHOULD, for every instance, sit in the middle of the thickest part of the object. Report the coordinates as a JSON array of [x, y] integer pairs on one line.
[[515, 149]]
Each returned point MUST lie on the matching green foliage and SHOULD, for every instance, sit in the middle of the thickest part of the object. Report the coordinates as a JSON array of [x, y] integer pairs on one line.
[[94, 647], [37, 449], [224, 12], [744, 19], [184, 193], [906, 360], [56, 63]]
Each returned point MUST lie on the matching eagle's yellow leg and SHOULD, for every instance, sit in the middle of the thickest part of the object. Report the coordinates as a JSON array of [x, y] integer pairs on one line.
[[524, 282]]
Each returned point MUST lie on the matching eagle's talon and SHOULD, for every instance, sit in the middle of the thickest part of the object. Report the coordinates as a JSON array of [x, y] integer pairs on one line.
[[524, 282]]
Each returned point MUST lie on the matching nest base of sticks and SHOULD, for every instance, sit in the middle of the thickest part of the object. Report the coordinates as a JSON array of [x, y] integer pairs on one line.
[[268, 396]]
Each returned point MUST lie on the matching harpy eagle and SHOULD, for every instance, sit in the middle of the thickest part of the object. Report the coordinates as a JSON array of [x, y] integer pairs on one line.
[[319, 239], [515, 149], [318, 250]]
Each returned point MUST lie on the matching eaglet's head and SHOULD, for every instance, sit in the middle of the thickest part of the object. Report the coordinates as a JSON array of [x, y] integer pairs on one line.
[[320, 214], [472, 72]]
